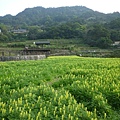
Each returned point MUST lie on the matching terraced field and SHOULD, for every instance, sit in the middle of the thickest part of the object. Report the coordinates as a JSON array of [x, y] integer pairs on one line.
[[60, 88]]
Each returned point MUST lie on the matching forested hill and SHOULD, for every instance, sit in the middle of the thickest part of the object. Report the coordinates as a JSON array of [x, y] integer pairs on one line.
[[43, 16], [91, 27]]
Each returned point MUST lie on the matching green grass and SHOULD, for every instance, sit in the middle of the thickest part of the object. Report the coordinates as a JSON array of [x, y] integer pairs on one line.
[[58, 46], [60, 88]]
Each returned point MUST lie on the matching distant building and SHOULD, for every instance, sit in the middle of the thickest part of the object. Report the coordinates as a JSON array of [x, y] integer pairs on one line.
[[116, 43], [19, 31], [42, 43]]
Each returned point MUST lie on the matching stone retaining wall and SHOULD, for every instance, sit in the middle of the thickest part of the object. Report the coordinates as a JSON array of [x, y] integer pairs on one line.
[[23, 57]]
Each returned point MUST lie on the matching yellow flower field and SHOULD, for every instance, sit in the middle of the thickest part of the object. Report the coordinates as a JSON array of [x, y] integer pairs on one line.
[[60, 88]]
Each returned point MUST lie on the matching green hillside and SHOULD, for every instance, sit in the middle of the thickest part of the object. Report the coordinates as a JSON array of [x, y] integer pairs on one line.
[[60, 88], [92, 27], [47, 16]]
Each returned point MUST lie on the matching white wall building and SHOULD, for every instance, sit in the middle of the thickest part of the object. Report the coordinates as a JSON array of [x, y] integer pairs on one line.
[[116, 43]]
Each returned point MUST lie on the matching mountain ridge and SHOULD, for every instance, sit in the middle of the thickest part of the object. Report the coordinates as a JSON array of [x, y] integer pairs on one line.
[[40, 15]]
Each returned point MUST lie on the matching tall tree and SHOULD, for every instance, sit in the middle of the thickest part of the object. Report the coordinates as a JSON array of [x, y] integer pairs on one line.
[[34, 32], [98, 36]]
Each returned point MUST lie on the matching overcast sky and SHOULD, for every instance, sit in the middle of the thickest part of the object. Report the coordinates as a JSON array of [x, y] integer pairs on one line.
[[13, 7]]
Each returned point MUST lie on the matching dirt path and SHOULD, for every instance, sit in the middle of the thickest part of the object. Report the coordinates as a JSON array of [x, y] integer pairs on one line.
[[53, 81]]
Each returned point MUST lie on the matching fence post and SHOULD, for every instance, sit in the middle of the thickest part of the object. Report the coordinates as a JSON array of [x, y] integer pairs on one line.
[[2, 53], [9, 53]]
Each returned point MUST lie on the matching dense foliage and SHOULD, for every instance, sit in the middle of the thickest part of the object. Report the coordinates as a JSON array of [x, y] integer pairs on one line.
[[61, 88], [47, 16], [96, 29]]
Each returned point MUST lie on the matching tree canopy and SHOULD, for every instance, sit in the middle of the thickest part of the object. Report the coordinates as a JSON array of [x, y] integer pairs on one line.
[[94, 28]]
